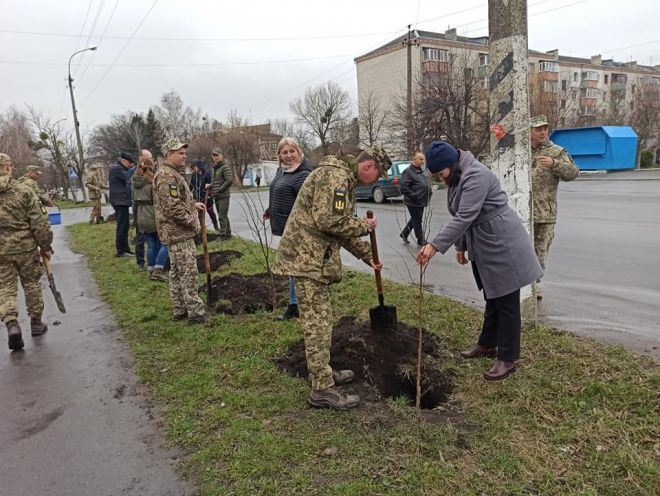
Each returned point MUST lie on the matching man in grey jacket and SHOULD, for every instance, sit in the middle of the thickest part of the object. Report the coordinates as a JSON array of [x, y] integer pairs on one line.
[[416, 190]]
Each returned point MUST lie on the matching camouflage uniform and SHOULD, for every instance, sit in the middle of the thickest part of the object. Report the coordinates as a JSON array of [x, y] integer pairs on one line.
[[24, 227], [321, 222], [93, 185], [177, 223], [545, 183], [34, 185]]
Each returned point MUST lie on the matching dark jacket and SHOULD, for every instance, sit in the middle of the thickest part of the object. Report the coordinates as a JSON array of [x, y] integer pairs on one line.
[[143, 199], [283, 192], [119, 186], [415, 187], [198, 182], [484, 225], [222, 180]]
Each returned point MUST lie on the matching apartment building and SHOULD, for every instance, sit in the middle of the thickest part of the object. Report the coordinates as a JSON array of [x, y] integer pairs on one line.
[[573, 91]]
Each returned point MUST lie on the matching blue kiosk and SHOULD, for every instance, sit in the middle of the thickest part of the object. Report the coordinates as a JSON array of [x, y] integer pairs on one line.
[[600, 147]]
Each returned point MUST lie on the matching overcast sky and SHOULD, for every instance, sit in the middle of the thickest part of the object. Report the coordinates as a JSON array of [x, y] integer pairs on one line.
[[256, 56]]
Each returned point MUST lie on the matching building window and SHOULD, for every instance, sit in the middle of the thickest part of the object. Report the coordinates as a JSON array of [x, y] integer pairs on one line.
[[483, 83], [546, 66], [605, 78], [563, 103], [435, 54], [563, 84], [590, 76], [484, 59], [550, 86], [589, 93], [575, 77], [588, 110]]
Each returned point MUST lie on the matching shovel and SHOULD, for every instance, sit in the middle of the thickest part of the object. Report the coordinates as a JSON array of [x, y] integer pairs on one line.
[[210, 298], [51, 283], [383, 317]]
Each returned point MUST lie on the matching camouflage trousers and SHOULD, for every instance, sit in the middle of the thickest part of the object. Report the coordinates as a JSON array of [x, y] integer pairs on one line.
[[96, 210], [222, 205], [316, 321], [27, 267], [184, 280], [544, 233]]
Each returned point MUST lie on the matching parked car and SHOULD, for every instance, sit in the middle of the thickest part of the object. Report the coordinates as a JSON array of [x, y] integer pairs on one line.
[[384, 188]]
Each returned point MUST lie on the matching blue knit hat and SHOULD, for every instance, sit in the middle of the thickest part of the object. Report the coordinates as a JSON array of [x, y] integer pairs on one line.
[[440, 155]]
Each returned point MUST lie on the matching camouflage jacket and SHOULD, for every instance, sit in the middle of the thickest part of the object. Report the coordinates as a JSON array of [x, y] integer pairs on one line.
[[176, 215], [546, 181], [23, 220], [43, 197], [322, 222], [93, 185]]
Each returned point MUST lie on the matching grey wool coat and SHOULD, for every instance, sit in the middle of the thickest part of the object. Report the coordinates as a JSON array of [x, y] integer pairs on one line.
[[490, 231]]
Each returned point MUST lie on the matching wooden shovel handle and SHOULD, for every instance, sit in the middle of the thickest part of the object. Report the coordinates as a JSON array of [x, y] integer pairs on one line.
[[374, 254], [47, 266], [205, 243]]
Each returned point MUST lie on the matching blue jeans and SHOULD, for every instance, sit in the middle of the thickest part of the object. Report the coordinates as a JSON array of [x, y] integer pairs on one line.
[[293, 300], [156, 251]]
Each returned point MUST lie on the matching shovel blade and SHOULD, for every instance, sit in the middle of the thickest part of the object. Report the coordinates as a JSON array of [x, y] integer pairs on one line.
[[383, 318]]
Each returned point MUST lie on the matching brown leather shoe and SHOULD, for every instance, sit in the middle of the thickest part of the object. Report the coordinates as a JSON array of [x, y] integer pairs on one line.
[[333, 398], [37, 327], [501, 370], [479, 352]]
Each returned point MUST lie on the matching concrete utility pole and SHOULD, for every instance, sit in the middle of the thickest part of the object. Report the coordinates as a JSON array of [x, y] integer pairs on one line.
[[509, 110], [76, 125], [409, 124]]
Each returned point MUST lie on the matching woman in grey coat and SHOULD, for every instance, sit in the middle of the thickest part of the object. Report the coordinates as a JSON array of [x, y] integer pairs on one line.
[[501, 252]]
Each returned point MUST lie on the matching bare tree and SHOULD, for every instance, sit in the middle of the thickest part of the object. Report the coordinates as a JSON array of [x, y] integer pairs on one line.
[[15, 137], [179, 120], [322, 110], [645, 112], [372, 119], [285, 127], [239, 146]]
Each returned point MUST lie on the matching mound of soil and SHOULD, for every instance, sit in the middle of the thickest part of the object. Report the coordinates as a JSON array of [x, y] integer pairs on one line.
[[217, 259], [236, 294], [385, 363]]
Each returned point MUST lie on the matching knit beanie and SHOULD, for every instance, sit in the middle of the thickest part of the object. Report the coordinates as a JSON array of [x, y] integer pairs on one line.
[[440, 155]]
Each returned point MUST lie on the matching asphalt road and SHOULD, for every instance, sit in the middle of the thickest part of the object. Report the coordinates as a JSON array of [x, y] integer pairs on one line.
[[73, 420], [603, 274]]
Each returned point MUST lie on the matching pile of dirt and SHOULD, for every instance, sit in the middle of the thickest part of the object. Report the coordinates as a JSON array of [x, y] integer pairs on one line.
[[236, 294], [385, 363], [217, 259]]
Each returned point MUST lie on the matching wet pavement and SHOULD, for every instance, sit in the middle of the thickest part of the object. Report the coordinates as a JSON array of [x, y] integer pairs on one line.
[[74, 420], [602, 278]]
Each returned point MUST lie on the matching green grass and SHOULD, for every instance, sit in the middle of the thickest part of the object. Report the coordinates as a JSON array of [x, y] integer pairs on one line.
[[578, 418], [64, 204]]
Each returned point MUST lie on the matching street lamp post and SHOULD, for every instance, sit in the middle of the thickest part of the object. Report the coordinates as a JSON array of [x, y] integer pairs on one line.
[[76, 124]]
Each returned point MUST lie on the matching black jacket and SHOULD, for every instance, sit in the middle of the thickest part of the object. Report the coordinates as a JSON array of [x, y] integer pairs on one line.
[[283, 192], [415, 187], [198, 182], [119, 186]]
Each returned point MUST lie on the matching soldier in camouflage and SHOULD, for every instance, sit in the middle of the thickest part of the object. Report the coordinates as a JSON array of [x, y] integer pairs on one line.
[[177, 222], [321, 222], [550, 164], [94, 187], [30, 179], [26, 234]]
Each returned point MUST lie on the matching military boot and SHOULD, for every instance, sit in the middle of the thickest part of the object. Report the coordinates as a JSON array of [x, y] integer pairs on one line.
[[37, 327], [290, 313], [333, 398], [15, 340], [343, 376]]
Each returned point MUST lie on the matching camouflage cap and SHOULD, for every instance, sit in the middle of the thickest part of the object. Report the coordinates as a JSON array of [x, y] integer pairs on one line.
[[538, 121], [4, 159], [172, 145], [33, 168], [379, 154]]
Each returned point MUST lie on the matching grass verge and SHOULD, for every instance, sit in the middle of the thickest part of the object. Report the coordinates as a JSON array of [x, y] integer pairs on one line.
[[577, 418], [65, 204]]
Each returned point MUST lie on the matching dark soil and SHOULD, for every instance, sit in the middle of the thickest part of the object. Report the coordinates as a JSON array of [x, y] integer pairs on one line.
[[217, 259], [236, 294], [385, 363]]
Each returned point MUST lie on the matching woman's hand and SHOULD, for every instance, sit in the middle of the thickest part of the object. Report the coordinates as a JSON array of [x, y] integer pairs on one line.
[[425, 254], [461, 258]]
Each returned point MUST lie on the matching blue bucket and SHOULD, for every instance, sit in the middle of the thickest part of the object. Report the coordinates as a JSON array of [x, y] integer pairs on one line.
[[55, 217]]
